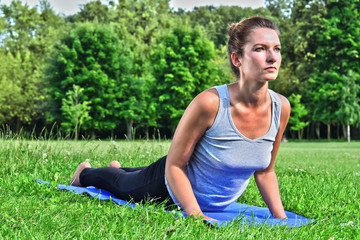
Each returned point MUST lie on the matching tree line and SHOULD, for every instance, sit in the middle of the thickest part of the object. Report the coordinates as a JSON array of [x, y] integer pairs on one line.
[[129, 68]]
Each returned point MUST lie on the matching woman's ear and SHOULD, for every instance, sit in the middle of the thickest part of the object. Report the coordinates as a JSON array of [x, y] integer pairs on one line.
[[235, 59]]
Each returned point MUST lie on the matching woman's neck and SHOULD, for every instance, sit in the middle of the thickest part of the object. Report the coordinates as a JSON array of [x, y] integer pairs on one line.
[[251, 95]]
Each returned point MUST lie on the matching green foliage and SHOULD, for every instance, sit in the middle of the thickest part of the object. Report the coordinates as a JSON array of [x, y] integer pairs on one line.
[[337, 52], [281, 9], [21, 24], [142, 22], [27, 37], [19, 87], [93, 58], [326, 96], [216, 20], [338, 44], [182, 69], [9, 88], [298, 111], [221, 71], [324, 48], [94, 11], [75, 111], [349, 102], [132, 83]]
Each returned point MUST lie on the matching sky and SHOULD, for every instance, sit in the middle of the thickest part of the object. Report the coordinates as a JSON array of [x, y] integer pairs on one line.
[[69, 7]]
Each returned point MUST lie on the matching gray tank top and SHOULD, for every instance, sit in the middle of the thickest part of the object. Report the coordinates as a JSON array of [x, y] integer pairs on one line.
[[223, 161]]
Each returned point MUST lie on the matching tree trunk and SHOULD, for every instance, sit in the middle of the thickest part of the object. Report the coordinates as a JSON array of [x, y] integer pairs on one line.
[[112, 134], [300, 134], [317, 130], [93, 136], [76, 132], [292, 133], [344, 132], [147, 133], [328, 131], [338, 131], [18, 126], [129, 129], [348, 132], [308, 129]]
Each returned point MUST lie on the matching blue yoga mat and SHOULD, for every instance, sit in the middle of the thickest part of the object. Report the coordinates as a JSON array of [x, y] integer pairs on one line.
[[235, 213]]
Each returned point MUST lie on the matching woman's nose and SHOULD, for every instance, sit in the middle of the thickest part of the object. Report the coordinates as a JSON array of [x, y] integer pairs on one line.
[[271, 56]]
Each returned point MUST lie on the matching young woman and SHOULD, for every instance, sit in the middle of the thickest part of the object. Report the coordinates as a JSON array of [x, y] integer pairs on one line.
[[226, 135]]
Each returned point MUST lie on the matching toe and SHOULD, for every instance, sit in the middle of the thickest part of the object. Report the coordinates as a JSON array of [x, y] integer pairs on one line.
[[115, 164]]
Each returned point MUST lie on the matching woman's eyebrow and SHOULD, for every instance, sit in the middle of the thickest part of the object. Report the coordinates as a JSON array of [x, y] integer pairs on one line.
[[265, 44]]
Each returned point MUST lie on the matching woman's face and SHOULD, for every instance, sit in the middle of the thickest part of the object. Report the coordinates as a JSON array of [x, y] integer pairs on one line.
[[261, 56]]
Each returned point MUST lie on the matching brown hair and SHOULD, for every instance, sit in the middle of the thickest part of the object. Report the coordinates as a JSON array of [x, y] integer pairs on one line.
[[239, 32]]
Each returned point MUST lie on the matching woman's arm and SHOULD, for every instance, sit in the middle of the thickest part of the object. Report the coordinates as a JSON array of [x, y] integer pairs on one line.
[[266, 179], [198, 117]]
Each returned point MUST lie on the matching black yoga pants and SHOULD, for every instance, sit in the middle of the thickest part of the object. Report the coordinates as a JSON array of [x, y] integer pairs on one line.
[[131, 184]]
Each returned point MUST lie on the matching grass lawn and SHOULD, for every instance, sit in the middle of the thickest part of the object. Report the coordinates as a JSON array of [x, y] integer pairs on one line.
[[317, 180]]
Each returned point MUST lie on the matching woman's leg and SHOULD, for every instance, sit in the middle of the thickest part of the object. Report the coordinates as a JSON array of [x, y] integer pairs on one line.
[[136, 184]]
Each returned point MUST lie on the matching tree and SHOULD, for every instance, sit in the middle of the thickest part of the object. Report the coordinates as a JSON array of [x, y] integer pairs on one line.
[[94, 11], [27, 38], [216, 20], [10, 91], [129, 105], [281, 9], [298, 112], [19, 89], [337, 40], [75, 110], [23, 72], [326, 96], [182, 69], [93, 58], [348, 112], [335, 53], [322, 47], [141, 23]]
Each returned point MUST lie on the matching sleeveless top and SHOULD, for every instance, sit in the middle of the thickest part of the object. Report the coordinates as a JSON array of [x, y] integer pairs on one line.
[[224, 160]]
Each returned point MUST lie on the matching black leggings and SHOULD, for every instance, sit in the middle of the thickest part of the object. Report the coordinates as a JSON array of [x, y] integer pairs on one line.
[[131, 184]]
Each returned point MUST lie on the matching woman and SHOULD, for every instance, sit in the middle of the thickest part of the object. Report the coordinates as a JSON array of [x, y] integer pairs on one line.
[[227, 134]]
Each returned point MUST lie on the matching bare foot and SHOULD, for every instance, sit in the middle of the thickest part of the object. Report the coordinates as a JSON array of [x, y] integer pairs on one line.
[[115, 164], [75, 180]]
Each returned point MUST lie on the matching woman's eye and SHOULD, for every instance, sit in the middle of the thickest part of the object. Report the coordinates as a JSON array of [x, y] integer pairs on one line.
[[259, 49], [277, 49]]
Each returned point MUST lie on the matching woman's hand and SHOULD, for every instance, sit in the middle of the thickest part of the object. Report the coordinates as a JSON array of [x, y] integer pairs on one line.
[[201, 216]]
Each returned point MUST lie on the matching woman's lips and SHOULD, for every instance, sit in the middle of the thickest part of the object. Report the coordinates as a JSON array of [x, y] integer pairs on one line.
[[270, 68]]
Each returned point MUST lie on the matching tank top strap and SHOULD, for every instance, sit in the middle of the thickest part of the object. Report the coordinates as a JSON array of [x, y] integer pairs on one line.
[[277, 108], [223, 92], [224, 104]]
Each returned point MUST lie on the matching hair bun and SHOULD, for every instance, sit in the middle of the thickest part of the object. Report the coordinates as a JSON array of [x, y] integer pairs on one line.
[[232, 28]]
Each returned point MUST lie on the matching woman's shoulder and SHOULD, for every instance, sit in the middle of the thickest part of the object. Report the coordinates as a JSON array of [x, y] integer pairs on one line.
[[208, 99], [207, 103]]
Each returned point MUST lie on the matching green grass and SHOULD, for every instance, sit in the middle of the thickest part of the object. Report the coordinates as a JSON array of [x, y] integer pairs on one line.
[[316, 180]]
